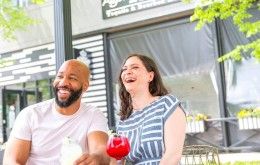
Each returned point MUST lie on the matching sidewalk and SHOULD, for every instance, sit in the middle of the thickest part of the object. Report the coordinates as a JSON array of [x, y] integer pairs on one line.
[[223, 158], [1, 156], [231, 157]]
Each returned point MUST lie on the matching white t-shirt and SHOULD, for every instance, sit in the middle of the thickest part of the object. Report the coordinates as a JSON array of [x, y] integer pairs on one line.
[[46, 128]]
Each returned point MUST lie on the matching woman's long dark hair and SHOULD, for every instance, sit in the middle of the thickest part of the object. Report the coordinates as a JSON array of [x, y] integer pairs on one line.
[[156, 86]]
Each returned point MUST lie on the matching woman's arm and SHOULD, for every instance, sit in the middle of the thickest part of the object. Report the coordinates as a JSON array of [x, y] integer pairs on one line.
[[16, 152], [174, 136]]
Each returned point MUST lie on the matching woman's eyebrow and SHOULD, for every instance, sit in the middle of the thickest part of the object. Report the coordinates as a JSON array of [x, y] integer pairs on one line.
[[131, 65]]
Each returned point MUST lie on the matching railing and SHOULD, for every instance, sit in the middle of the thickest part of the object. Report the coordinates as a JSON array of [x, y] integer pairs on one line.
[[248, 128]]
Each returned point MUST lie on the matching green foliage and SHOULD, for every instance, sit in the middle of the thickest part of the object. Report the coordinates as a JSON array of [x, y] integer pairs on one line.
[[38, 2], [236, 54], [208, 10], [5, 63], [14, 18]]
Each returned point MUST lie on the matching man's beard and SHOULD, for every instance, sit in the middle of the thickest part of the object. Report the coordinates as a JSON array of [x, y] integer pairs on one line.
[[74, 96]]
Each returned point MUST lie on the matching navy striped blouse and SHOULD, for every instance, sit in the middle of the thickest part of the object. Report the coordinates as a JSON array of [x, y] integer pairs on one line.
[[144, 130]]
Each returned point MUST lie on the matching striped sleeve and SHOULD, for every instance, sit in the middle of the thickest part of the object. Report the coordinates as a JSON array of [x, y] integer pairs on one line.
[[171, 103]]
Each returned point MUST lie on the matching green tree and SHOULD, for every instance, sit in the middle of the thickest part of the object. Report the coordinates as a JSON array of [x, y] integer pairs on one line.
[[238, 10], [14, 18]]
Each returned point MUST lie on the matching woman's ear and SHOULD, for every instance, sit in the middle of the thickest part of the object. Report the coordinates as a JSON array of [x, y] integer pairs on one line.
[[151, 76]]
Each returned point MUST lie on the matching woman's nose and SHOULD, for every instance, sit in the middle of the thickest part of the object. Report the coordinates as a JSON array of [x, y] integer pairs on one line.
[[128, 71]]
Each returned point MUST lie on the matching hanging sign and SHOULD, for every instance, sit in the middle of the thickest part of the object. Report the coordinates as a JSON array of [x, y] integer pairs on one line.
[[114, 8]]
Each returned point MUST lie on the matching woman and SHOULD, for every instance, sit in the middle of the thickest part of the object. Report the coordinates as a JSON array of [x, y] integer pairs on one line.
[[151, 118]]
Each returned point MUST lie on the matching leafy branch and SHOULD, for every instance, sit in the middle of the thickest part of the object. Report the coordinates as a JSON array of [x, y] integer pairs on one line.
[[208, 10], [235, 54], [14, 18]]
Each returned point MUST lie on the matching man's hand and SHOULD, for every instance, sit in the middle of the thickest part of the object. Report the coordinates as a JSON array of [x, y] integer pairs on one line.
[[96, 155], [89, 160]]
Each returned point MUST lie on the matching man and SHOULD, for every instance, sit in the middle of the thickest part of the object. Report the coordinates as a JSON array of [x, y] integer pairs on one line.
[[36, 138]]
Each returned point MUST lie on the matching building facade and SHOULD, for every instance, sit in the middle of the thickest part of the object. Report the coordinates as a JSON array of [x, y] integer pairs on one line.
[[105, 32]]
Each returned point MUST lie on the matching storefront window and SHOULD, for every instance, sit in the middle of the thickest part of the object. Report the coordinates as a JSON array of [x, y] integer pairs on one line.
[[242, 89], [187, 61], [45, 87], [18, 96]]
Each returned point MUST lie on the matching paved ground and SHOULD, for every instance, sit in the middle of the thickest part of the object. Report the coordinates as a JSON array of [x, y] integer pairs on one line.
[[223, 158], [1, 157], [229, 157]]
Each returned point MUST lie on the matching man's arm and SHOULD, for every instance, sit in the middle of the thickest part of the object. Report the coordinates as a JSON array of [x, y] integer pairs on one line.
[[97, 142], [16, 152]]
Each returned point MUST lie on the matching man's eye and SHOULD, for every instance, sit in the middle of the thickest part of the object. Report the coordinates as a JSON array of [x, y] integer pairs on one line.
[[59, 76]]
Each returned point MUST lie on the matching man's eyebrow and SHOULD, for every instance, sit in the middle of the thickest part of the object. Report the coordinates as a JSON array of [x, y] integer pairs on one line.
[[74, 75]]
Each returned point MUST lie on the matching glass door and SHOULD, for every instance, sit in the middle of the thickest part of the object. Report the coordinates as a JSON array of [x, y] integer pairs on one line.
[[13, 102]]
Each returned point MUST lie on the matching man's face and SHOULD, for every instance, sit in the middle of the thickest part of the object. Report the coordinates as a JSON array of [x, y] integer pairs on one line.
[[69, 84], [73, 96]]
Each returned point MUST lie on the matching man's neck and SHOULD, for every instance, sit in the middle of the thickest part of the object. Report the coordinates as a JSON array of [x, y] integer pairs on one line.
[[70, 110]]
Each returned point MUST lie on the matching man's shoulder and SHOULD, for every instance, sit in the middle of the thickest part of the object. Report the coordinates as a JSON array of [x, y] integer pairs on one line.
[[43, 103], [37, 109], [90, 108], [39, 106]]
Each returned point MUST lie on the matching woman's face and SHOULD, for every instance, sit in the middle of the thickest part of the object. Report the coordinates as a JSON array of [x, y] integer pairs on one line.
[[135, 76]]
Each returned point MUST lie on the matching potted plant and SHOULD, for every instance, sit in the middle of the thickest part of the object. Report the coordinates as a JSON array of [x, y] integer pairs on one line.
[[189, 126], [196, 124], [249, 118], [256, 114]]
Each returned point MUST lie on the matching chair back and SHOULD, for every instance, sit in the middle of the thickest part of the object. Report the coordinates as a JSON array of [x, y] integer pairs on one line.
[[200, 155]]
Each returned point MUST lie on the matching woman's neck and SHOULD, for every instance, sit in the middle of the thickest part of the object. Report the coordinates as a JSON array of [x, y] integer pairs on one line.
[[140, 101]]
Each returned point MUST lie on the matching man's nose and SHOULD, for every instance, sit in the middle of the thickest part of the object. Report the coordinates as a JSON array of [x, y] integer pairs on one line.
[[64, 81]]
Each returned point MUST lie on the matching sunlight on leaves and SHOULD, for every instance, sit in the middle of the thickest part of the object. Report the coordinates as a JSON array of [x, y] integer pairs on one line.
[[209, 10], [13, 18]]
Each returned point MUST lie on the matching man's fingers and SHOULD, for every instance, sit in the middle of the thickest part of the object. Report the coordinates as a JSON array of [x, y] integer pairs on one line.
[[81, 159]]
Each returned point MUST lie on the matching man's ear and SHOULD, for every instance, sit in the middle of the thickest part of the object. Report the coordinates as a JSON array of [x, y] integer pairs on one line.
[[85, 86]]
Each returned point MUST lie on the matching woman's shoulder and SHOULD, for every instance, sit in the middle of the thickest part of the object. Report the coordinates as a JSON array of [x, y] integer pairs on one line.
[[169, 98]]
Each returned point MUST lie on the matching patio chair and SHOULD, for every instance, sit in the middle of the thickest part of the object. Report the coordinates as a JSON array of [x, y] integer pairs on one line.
[[200, 155]]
